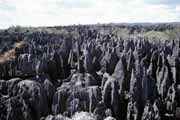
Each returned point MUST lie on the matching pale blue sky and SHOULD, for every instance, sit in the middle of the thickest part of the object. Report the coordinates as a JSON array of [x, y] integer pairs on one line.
[[168, 2], [67, 12]]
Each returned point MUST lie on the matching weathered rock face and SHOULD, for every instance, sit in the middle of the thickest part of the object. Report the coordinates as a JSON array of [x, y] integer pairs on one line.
[[178, 95], [50, 91], [70, 99], [34, 97], [150, 112], [57, 117], [84, 80], [111, 96], [12, 86], [3, 87], [26, 100], [77, 116], [88, 74], [25, 64]]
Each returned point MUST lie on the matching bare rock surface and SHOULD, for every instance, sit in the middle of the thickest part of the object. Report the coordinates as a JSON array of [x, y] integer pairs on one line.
[[88, 73]]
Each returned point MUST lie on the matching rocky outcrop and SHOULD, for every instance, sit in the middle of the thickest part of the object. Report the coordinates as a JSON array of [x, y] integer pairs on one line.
[[70, 99], [88, 73]]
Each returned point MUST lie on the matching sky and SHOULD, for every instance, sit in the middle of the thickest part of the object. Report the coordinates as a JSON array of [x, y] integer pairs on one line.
[[69, 12]]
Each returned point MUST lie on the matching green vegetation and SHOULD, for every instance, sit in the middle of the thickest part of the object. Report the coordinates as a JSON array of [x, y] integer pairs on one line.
[[164, 35], [169, 31]]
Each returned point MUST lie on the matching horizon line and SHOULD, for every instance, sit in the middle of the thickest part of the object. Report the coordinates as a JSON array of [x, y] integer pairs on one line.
[[90, 24]]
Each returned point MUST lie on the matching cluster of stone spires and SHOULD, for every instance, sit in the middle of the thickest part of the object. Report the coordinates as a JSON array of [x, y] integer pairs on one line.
[[126, 79]]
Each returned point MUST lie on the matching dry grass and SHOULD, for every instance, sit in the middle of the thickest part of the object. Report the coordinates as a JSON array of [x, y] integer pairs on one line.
[[7, 56], [10, 54], [19, 44]]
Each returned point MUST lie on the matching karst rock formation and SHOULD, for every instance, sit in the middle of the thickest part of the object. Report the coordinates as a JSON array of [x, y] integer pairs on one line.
[[89, 76]]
